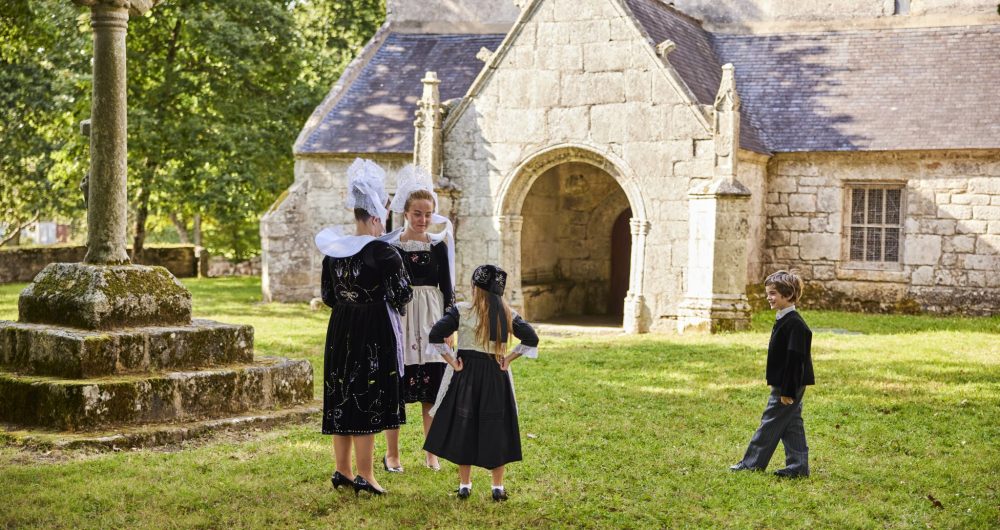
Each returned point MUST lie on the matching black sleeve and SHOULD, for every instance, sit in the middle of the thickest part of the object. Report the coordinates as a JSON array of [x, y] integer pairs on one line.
[[395, 279], [799, 344], [444, 327], [524, 332], [326, 284], [440, 252]]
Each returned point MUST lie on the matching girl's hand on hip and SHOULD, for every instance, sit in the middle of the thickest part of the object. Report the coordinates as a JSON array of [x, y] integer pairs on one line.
[[457, 365], [785, 400]]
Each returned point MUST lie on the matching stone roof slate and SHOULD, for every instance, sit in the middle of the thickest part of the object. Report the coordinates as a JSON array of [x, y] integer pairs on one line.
[[693, 58], [871, 90], [861, 90], [376, 113]]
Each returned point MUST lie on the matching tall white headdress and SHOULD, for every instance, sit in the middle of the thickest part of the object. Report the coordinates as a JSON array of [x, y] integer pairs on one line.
[[410, 179], [414, 178], [366, 188]]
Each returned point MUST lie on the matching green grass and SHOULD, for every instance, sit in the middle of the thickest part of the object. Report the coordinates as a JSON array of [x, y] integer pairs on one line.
[[630, 432]]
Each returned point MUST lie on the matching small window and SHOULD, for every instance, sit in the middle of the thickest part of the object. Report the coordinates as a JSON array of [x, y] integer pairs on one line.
[[875, 225], [902, 7]]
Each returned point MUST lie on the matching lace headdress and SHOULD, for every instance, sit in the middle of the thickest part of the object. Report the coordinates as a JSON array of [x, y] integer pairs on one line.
[[366, 188], [414, 178]]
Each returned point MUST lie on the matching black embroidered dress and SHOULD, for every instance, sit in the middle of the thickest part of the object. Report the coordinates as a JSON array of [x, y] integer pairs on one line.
[[361, 372], [430, 277]]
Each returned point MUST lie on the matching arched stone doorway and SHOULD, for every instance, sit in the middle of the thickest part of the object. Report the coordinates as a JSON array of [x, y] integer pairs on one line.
[[557, 218]]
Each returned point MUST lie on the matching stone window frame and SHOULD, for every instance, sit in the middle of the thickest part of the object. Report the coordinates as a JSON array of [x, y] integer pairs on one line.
[[883, 185]]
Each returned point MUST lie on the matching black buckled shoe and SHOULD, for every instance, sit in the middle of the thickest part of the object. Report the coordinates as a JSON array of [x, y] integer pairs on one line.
[[785, 473], [338, 479], [463, 493], [499, 495], [740, 466]]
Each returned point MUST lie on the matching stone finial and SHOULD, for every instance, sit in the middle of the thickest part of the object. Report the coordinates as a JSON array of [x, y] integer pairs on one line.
[[484, 55], [727, 97], [136, 8], [726, 124], [521, 3], [664, 48], [427, 146]]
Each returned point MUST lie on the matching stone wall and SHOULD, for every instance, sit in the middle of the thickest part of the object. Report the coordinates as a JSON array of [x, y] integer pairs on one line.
[[290, 262], [22, 264], [566, 241], [752, 173], [578, 78], [950, 245]]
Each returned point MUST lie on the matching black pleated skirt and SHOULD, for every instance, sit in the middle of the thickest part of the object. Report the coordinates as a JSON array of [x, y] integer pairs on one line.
[[361, 390], [476, 423]]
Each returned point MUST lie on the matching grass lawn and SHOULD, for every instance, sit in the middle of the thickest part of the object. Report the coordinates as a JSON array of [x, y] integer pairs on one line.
[[619, 432]]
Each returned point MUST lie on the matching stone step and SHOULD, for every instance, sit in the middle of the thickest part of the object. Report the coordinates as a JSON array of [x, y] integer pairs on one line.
[[156, 435], [78, 405], [40, 349]]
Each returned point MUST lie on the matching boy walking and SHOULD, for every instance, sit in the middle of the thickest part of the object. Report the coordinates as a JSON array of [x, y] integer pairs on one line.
[[789, 370]]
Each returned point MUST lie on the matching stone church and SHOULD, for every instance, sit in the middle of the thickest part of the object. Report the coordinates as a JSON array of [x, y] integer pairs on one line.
[[653, 161]]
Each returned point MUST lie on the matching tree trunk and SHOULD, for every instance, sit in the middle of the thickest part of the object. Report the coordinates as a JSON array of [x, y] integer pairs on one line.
[[141, 214], [197, 229], [181, 226], [14, 238]]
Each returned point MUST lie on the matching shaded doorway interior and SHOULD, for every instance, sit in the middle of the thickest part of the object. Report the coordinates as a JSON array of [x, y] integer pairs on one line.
[[569, 272]]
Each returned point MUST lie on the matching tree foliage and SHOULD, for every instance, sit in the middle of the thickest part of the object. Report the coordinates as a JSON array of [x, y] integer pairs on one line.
[[217, 92]]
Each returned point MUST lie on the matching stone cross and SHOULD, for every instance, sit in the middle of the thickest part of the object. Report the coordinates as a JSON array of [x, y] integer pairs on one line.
[[107, 203]]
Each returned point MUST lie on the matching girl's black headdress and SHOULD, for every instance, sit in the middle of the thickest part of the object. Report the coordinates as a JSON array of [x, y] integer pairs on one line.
[[493, 280]]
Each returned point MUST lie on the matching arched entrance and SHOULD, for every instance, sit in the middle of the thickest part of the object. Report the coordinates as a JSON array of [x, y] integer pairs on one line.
[[573, 229]]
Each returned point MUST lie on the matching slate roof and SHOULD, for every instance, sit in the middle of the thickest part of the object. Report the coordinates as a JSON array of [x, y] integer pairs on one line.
[[872, 90], [693, 58], [860, 90], [376, 113]]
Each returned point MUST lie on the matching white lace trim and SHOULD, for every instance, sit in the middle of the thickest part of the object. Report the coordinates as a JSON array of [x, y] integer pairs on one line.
[[438, 350], [530, 352]]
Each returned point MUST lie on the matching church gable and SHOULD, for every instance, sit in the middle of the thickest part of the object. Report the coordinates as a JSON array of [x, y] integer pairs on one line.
[[578, 70]]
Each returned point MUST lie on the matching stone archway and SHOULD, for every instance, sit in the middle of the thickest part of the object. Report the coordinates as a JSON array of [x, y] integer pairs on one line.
[[555, 212]]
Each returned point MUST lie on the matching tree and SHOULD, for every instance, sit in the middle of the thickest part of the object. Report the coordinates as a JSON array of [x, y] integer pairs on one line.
[[42, 155]]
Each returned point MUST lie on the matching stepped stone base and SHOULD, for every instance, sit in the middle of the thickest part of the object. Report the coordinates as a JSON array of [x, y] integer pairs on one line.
[[76, 404], [41, 349], [104, 297], [158, 435]]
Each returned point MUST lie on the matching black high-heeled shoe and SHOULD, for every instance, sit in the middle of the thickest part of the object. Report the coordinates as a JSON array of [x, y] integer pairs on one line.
[[360, 484], [338, 479]]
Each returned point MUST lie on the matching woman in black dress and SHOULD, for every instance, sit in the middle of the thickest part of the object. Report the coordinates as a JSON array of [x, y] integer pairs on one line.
[[366, 285], [429, 261]]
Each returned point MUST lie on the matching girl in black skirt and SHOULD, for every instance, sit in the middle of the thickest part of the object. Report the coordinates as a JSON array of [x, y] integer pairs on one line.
[[366, 285], [475, 417]]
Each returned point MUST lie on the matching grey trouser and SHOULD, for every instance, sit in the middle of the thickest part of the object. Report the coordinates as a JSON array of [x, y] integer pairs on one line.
[[780, 422]]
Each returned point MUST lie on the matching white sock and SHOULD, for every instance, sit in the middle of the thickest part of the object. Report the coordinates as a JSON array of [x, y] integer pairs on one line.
[[495, 488], [460, 485]]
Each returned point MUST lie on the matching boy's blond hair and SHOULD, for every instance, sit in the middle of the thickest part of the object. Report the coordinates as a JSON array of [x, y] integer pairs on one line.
[[788, 283]]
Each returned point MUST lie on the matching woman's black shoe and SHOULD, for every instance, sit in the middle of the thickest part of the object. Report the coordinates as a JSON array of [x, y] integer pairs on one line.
[[338, 480], [499, 495], [463, 493], [385, 464], [360, 484]]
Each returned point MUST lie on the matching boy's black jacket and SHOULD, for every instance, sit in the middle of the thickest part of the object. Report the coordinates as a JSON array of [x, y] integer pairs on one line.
[[789, 361]]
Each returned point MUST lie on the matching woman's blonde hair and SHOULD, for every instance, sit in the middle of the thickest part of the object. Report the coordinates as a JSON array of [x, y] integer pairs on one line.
[[481, 305], [416, 196]]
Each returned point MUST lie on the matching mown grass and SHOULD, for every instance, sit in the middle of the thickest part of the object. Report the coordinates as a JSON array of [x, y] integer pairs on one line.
[[618, 432]]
